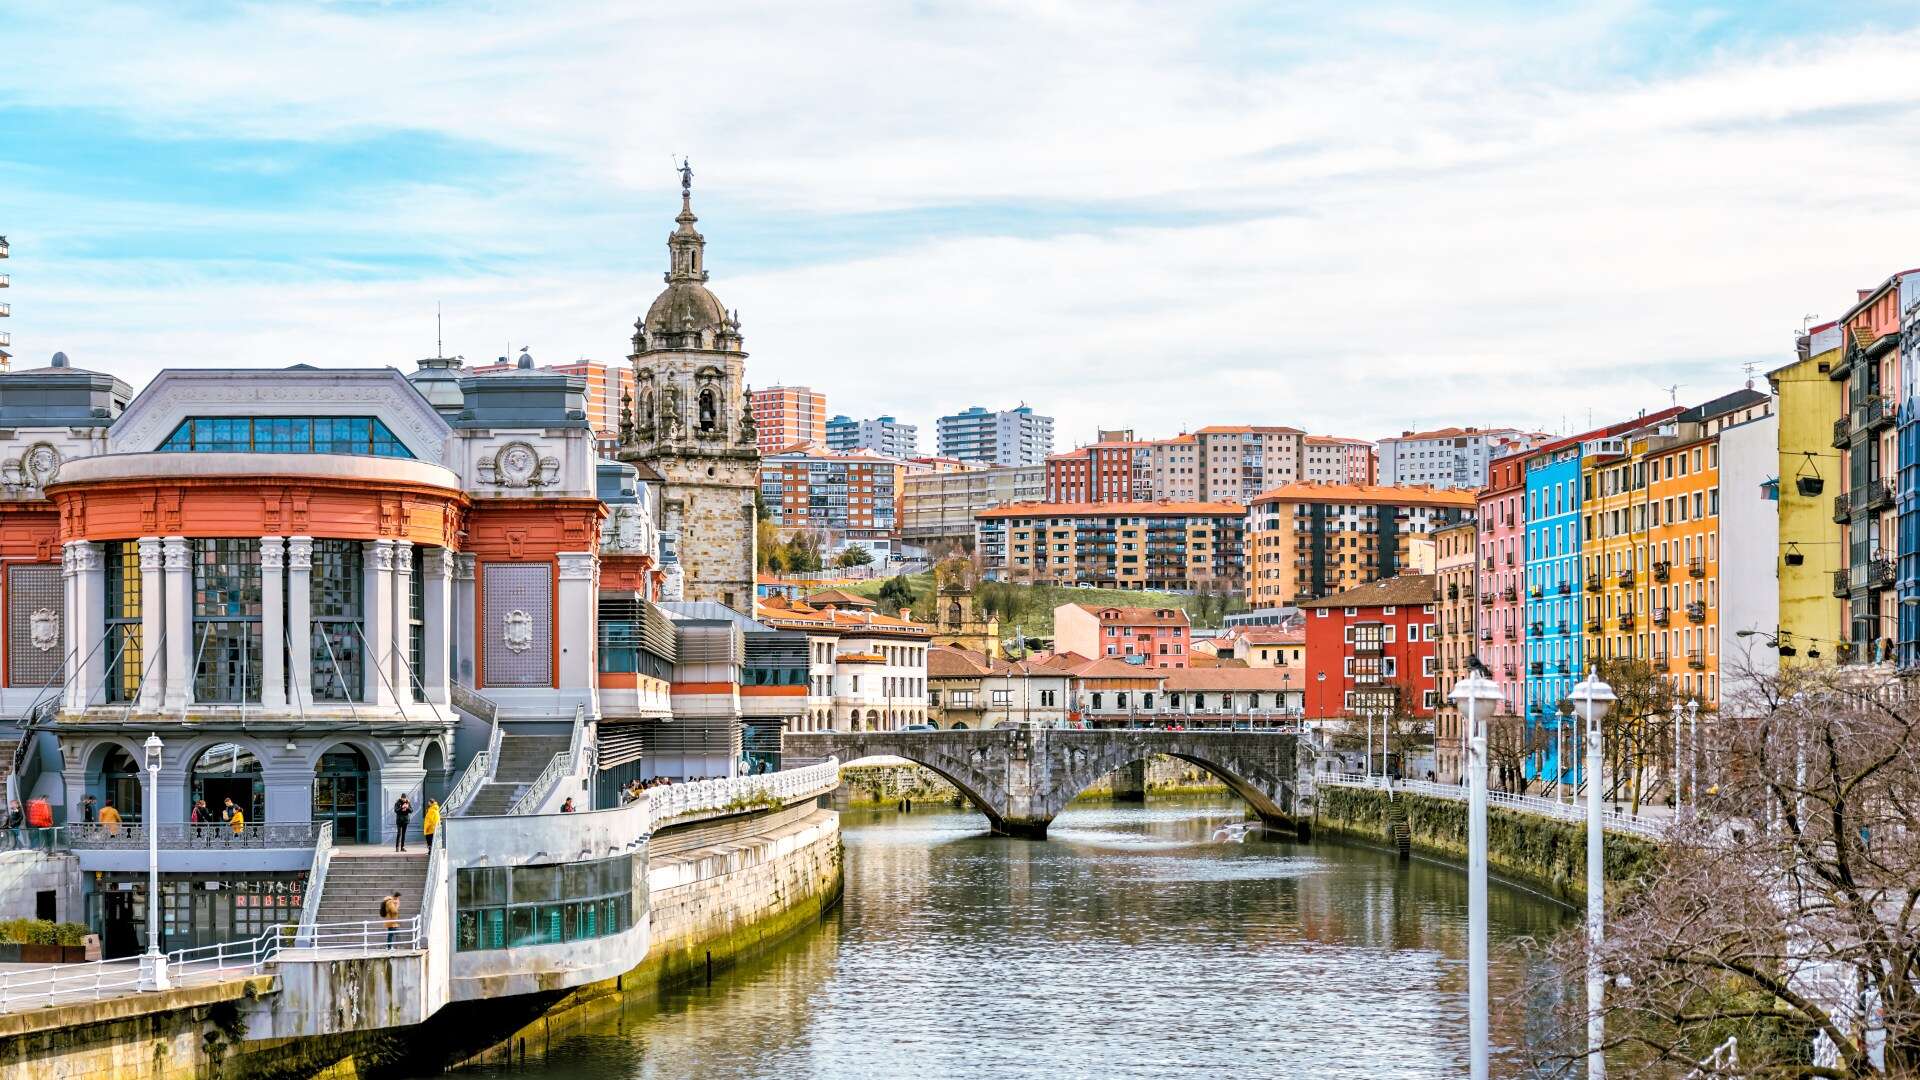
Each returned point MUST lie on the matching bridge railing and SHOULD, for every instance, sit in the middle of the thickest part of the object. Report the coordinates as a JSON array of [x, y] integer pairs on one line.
[[1576, 813], [743, 792]]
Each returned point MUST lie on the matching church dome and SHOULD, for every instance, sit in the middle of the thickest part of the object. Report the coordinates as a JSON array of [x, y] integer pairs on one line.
[[686, 314], [685, 306]]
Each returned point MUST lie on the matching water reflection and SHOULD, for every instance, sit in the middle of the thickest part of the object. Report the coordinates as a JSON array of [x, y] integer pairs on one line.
[[1127, 945]]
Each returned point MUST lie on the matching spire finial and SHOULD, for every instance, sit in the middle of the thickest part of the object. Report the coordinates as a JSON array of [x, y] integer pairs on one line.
[[686, 179]]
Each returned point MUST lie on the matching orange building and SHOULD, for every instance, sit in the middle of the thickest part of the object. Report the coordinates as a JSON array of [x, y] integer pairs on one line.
[[1309, 540], [784, 415]]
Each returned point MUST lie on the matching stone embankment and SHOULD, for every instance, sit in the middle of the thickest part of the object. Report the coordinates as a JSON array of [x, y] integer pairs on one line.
[[1545, 853]]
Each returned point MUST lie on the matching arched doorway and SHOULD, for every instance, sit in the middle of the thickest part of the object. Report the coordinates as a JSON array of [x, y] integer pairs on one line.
[[340, 794], [958, 726], [434, 784], [121, 784], [226, 771]]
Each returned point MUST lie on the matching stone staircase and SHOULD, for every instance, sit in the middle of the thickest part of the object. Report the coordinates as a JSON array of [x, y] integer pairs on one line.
[[522, 759], [359, 878], [1397, 826]]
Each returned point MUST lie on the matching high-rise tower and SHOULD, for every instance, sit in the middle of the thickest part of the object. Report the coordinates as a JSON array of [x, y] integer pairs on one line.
[[689, 421]]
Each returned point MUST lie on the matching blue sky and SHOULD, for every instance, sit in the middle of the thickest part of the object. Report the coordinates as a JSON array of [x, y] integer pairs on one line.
[[1356, 220]]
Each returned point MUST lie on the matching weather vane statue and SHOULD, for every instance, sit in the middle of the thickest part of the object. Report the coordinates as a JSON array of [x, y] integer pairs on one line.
[[686, 177]]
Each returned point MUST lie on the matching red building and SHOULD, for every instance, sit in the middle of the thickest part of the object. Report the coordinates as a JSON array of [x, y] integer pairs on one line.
[[1099, 472], [1369, 646]]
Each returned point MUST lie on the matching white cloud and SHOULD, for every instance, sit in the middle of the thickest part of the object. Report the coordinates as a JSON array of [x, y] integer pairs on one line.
[[1394, 219]]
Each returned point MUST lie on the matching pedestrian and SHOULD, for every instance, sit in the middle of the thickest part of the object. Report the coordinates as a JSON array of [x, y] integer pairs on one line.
[[201, 815], [87, 809], [430, 822], [390, 911], [110, 818], [227, 810], [236, 819], [402, 814], [567, 807]]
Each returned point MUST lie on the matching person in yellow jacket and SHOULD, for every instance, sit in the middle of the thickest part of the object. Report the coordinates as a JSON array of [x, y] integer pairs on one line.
[[430, 824], [238, 821], [110, 818]]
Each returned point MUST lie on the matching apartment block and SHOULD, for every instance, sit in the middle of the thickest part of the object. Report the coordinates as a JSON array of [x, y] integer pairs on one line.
[[1309, 540], [1329, 459], [1500, 518], [1235, 463], [851, 494], [939, 505], [1375, 645], [784, 415], [1157, 545], [1107, 471], [1017, 436], [1813, 619], [1456, 549], [1152, 637], [1454, 457], [882, 435]]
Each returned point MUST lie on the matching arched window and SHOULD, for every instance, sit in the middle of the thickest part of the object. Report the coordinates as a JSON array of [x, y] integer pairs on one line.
[[709, 411], [230, 771]]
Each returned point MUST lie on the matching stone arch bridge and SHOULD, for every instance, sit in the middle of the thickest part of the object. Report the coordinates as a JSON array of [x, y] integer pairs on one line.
[[1022, 778]]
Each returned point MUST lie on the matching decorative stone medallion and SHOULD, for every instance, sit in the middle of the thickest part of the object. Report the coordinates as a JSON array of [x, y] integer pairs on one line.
[[46, 628], [517, 630]]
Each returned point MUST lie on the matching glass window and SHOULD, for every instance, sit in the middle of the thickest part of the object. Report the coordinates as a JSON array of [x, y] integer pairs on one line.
[[417, 624], [226, 620], [337, 649], [506, 907], [123, 621], [366, 435]]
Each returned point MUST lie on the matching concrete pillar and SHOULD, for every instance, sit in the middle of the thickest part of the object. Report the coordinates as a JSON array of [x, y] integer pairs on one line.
[[85, 633], [1130, 782], [289, 784], [178, 571], [465, 618], [437, 591], [400, 659], [273, 628], [576, 619], [300, 620], [154, 637], [377, 623]]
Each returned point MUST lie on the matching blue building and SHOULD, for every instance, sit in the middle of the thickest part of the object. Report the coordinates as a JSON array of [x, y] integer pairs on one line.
[[1907, 504], [1554, 590]]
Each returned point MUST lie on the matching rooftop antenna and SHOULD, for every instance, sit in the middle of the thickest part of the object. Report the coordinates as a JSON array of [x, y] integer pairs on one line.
[[1673, 392], [439, 342], [1748, 368]]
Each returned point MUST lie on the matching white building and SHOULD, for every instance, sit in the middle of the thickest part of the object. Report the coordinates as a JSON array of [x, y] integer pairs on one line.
[[1017, 436], [1749, 553], [865, 671], [882, 435], [1452, 457]]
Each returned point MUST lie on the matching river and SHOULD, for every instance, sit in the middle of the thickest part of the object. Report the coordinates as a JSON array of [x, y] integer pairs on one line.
[[1128, 944]]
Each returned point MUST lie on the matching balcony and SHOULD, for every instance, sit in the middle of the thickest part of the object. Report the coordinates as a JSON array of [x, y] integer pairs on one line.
[[1626, 620], [1453, 591], [1658, 660], [1661, 570], [1841, 586], [1563, 668], [1510, 670], [1842, 509], [1593, 625], [1662, 616], [1842, 432], [1489, 564], [1697, 612], [1486, 633], [1566, 588], [1874, 414], [1486, 599], [1537, 667], [1879, 573], [1593, 582], [1510, 594], [1696, 659], [1877, 495], [1535, 592], [1626, 578], [1696, 567], [1539, 629]]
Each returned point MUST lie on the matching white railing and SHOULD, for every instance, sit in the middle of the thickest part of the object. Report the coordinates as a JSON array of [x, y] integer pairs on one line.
[[176, 835], [43, 987], [316, 880], [740, 792], [468, 785], [1724, 1061], [1576, 813], [568, 762]]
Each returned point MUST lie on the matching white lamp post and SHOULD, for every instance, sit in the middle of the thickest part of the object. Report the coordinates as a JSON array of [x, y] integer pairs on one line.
[[1476, 696], [1593, 699], [154, 964], [1693, 751]]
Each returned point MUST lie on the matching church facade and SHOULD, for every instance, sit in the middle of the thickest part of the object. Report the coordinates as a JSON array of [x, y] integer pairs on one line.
[[691, 425]]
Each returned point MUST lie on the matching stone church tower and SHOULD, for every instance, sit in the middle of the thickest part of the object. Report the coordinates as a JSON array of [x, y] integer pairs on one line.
[[691, 423]]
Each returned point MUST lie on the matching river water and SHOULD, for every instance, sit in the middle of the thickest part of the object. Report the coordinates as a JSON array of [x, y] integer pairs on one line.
[[1128, 944]]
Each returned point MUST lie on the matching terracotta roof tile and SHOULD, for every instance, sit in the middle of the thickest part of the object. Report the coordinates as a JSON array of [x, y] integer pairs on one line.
[[1403, 591], [1377, 494], [1133, 509]]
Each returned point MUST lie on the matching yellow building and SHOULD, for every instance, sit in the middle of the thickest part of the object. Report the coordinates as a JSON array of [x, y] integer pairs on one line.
[[1812, 618]]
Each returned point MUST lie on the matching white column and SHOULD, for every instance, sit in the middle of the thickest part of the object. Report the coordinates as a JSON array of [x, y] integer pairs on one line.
[[577, 618], [85, 631], [437, 565], [400, 659], [377, 622], [300, 619], [273, 624], [179, 613], [153, 625], [465, 618]]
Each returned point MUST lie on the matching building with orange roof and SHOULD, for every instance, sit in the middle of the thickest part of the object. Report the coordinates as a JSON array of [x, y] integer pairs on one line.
[[865, 671], [1157, 545], [1308, 540], [851, 495], [938, 506], [1236, 462], [1449, 457], [1155, 637], [1370, 651], [1108, 471], [783, 415], [969, 690], [1330, 459]]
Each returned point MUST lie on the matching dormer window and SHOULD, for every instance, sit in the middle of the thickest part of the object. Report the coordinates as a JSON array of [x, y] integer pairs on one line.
[[366, 435]]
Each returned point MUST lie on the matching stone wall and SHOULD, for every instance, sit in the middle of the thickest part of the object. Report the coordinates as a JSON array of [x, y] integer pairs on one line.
[[886, 785], [26, 874], [1165, 776], [1530, 848]]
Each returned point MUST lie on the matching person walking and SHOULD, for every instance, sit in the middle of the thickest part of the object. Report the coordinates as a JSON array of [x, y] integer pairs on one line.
[[110, 818], [236, 819], [402, 814], [87, 809], [430, 822], [390, 911], [201, 814]]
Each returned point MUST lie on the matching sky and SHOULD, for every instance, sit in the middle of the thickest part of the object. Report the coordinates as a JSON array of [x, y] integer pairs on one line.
[[1356, 219]]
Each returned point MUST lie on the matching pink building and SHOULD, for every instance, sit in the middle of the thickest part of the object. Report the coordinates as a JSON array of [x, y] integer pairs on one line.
[[1159, 636], [1501, 640]]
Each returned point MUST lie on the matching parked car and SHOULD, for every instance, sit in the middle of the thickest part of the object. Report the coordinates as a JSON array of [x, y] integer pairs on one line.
[[919, 727]]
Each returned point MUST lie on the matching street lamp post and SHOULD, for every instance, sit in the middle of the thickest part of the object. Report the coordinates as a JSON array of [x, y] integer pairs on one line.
[[1693, 750], [1594, 698], [154, 964], [1476, 696]]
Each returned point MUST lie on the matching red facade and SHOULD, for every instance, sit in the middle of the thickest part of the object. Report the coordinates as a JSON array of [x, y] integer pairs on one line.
[[1357, 654]]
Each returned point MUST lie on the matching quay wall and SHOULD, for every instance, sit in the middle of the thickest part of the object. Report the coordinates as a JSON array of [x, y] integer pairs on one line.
[[717, 892], [1539, 851]]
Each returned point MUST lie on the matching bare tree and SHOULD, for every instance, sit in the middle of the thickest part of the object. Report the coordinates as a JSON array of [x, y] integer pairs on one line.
[[1784, 914], [1638, 729]]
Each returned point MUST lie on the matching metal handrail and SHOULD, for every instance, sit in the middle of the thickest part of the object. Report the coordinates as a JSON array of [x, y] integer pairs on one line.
[[561, 766], [468, 785], [1654, 828], [316, 880], [181, 835]]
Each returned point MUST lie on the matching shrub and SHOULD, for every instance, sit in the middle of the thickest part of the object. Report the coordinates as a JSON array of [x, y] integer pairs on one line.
[[42, 932]]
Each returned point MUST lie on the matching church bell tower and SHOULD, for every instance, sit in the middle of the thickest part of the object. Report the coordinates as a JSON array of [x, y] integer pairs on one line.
[[691, 423]]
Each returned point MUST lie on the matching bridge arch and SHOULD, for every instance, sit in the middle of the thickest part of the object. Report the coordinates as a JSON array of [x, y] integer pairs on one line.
[[974, 798], [1257, 768]]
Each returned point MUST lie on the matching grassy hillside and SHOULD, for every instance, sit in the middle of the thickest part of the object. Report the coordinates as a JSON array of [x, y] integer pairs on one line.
[[1034, 604]]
